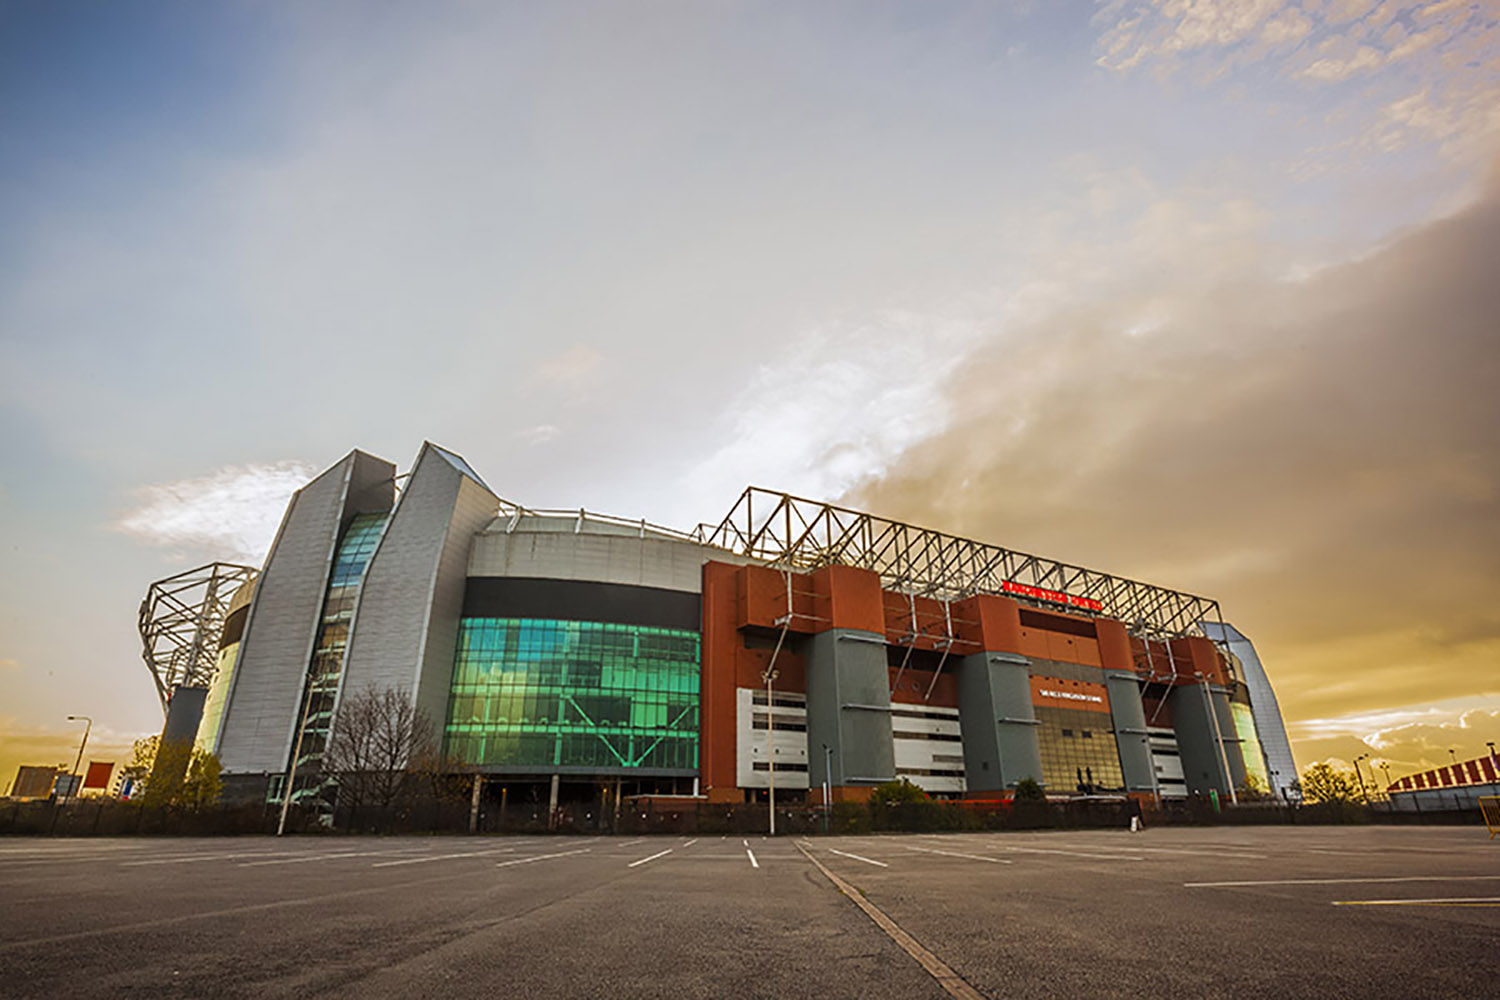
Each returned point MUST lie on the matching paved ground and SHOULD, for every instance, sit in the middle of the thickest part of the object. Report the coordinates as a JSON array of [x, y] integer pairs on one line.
[[1326, 912]]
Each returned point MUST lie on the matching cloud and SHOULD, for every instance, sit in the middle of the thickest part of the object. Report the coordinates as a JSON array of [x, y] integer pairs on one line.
[[540, 434], [1321, 454], [10, 664], [576, 369], [231, 513], [1449, 52]]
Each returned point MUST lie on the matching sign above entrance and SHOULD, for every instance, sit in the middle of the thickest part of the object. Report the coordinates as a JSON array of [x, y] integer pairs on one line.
[[1056, 596]]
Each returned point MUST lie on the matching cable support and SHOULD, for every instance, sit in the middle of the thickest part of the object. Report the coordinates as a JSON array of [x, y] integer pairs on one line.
[[947, 647], [911, 642]]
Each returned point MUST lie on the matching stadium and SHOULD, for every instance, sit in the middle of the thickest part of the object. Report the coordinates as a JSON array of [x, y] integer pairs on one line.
[[567, 656]]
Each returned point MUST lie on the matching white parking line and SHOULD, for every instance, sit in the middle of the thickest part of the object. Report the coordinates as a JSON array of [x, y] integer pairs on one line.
[[651, 858], [629, 842], [440, 857], [856, 857], [955, 854], [753, 862], [191, 858], [1342, 881], [309, 857], [1451, 901], [690, 843], [539, 857], [1075, 854]]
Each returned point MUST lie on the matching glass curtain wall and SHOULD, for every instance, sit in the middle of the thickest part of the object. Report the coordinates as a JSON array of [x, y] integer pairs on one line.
[[1078, 752], [1255, 760], [541, 693], [327, 664]]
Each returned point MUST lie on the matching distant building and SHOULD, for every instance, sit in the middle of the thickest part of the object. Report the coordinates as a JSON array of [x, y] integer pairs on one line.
[[1457, 786], [569, 655]]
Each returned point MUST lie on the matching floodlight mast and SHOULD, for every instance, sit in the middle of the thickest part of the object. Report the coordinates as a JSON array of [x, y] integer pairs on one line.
[[181, 622]]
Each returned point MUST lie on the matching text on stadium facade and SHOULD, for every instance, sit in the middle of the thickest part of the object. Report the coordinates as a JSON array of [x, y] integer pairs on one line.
[[1057, 596], [1070, 695]]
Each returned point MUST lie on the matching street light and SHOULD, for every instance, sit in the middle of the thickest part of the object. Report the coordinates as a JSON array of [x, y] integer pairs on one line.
[[827, 784], [82, 743], [1362, 793], [769, 676]]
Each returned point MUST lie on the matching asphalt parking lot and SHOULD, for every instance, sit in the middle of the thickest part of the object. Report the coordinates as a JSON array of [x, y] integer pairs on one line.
[[1206, 912]]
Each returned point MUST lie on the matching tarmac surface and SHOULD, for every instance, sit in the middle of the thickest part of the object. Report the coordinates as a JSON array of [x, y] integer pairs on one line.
[[1202, 912]]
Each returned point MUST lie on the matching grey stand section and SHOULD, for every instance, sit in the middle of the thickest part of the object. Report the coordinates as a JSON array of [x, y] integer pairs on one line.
[[849, 709], [999, 727], [1129, 718], [184, 713], [1203, 763]]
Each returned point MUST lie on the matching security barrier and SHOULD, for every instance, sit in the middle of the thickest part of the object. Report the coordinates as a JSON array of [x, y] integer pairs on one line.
[[1489, 807]]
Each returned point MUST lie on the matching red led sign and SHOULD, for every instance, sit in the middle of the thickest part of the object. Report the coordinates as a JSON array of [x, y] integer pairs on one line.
[[1055, 596]]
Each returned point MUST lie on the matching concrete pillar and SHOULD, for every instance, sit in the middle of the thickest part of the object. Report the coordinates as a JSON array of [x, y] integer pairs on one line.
[[474, 803], [1209, 748], [1129, 719], [999, 727], [849, 709], [552, 803]]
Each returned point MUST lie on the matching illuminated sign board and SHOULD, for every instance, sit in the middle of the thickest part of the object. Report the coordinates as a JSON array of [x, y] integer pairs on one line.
[[1056, 596], [1071, 695]]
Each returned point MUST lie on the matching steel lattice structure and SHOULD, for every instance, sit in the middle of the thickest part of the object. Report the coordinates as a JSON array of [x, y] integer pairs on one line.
[[181, 621], [793, 533]]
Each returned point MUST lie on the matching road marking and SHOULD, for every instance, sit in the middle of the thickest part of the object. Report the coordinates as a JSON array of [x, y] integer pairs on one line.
[[539, 857], [753, 862], [745, 842], [1075, 854], [1182, 850], [189, 859], [629, 842], [690, 843], [856, 857], [1453, 901], [955, 854], [951, 982], [439, 857], [309, 857], [652, 858], [1342, 881]]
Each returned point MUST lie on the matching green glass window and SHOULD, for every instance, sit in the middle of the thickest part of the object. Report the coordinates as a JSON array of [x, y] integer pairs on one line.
[[1255, 761], [538, 693], [1078, 751]]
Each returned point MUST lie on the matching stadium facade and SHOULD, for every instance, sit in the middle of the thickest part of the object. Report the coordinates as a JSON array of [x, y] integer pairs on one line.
[[573, 652]]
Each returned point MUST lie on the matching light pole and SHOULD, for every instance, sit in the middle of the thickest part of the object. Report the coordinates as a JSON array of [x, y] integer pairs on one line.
[[1494, 763], [81, 744], [769, 676], [1362, 793], [828, 784]]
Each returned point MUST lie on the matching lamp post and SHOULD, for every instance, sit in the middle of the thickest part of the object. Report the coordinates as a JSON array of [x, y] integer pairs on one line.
[[828, 784], [769, 676], [1362, 793], [1494, 763], [81, 744]]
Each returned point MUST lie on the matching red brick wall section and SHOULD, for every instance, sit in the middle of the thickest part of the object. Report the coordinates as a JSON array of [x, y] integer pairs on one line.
[[721, 643], [1114, 645], [848, 597]]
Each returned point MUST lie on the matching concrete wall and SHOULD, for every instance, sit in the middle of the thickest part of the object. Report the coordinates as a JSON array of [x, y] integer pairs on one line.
[[1202, 760], [848, 708], [406, 622], [268, 678], [562, 554], [998, 724], [1129, 719]]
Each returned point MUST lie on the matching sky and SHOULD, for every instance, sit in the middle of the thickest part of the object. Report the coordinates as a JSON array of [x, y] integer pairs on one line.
[[1197, 293]]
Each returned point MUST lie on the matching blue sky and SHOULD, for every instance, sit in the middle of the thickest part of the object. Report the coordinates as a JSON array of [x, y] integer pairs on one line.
[[636, 255]]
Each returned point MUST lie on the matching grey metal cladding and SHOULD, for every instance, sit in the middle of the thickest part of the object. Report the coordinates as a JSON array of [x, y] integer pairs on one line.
[[1203, 762], [997, 722], [1269, 726], [406, 622], [848, 706], [1128, 716], [262, 709]]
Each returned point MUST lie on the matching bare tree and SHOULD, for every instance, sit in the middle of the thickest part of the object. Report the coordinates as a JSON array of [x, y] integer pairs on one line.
[[380, 739]]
